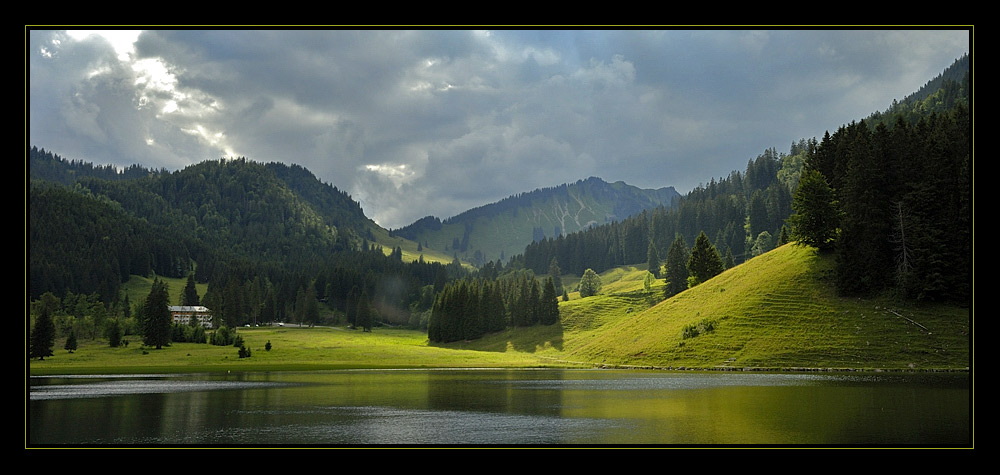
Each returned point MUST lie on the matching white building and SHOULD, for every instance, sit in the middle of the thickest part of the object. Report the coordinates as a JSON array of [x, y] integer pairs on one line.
[[184, 314]]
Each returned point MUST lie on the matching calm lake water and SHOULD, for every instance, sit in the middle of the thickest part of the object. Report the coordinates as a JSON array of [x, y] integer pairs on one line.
[[487, 407]]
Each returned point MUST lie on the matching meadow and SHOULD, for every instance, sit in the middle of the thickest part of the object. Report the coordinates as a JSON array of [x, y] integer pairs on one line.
[[777, 311]]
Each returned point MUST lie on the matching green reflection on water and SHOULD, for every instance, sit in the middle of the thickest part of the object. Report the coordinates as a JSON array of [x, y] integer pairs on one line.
[[520, 407]]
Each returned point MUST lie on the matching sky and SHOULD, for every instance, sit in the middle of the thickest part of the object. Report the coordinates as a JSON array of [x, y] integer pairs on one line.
[[418, 123]]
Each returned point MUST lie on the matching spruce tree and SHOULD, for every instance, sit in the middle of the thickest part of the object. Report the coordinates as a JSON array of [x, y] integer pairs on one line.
[[677, 271], [817, 216], [653, 260], [534, 303], [365, 315], [71, 344], [43, 335], [550, 304], [190, 295], [783, 237], [729, 261], [351, 307], [113, 331], [156, 316], [705, 261], [556, 273]]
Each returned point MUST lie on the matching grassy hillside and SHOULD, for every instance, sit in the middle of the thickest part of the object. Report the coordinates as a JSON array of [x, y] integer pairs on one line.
[[778, 310], [409, 248], [138, 288]]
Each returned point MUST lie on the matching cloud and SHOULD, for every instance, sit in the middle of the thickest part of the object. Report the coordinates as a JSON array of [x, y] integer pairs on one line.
[[413, 123]]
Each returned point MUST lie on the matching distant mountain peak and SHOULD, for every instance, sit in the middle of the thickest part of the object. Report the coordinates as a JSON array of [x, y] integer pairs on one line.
[[505, 227]]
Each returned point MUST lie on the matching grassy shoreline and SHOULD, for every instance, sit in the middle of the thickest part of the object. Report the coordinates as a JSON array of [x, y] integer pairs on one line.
[[338, 349], [293, 349]]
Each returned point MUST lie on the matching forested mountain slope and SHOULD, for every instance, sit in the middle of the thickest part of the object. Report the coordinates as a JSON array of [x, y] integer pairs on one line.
[[232, 222], [502, 229]]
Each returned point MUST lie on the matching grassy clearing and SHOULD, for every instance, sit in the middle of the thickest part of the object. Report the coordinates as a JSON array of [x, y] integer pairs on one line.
[[409, 248], [293, 348], [777, 311], [138, 288]]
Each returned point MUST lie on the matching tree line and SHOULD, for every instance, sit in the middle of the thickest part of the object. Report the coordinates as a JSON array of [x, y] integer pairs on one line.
[[742, 214], [894, 203], [467, 309]]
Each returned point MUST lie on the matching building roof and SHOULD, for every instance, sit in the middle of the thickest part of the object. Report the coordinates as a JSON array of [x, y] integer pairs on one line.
[[187, 308]]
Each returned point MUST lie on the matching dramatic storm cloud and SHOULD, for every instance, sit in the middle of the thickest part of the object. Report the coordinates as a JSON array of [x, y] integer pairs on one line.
[[416, 123]]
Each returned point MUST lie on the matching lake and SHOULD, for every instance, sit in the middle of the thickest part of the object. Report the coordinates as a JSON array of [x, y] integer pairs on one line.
[[491, 407]]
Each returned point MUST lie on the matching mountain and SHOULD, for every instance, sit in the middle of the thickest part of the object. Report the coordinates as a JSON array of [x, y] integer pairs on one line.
[[222, 219], [502, 229], [946, 91]]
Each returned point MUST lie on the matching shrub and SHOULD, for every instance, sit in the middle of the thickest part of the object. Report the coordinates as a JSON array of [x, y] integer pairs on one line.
[[223, 337], [702, 327]]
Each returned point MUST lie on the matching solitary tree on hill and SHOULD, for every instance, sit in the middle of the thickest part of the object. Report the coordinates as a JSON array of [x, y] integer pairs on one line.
[[817, 214], [590, 283]]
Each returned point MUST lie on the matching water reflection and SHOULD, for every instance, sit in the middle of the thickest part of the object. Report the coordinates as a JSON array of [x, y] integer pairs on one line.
[[502, 407], [119, 387]]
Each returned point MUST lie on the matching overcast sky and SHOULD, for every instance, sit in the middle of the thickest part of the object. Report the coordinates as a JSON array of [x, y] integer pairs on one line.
[[416, 123]]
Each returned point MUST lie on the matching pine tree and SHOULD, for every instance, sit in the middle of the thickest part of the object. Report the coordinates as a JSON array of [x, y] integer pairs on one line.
[[556, 273], [677, 271], [351, 307], [310, 312], [113, 331], [783, 237], [43, 335], [864, 251], [71, 344], [534, 302], [653, 260], [705, 261], [366, 314], [816, 217], [190, 295], [550, 304], [156, 316], [729, 261]]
